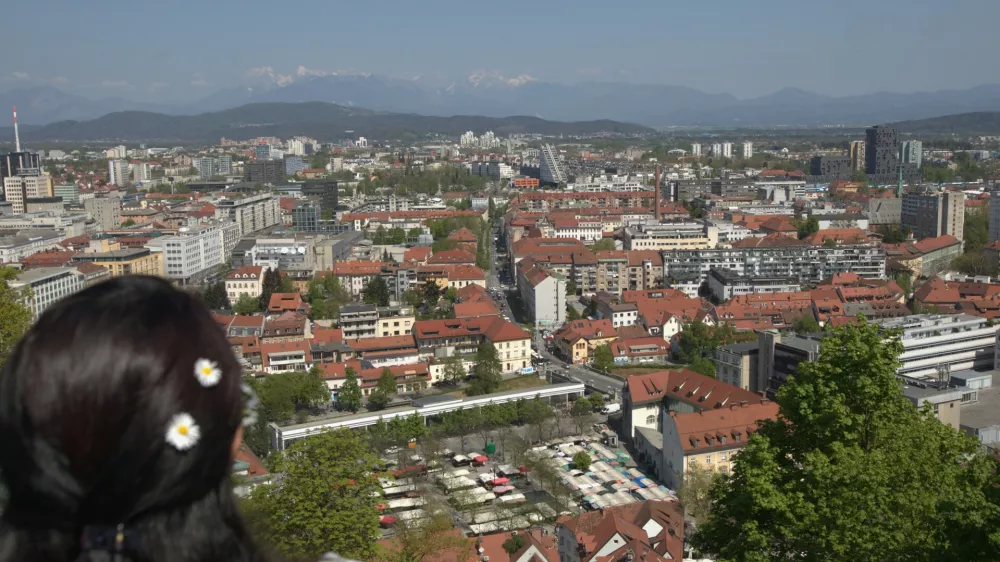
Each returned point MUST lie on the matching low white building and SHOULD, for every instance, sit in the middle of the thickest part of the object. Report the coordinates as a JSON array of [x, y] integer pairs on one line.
[[247, 280], [47, 285]]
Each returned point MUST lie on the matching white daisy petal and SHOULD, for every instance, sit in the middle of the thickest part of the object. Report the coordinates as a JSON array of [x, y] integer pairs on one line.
[[207, 372], [182, 432]]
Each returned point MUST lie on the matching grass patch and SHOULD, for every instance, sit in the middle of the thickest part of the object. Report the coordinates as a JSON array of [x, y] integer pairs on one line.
[[633, 371], [520, 383]]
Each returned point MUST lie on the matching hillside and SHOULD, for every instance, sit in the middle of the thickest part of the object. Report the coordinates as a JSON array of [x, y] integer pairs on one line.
[[984, 122], [324, 121]]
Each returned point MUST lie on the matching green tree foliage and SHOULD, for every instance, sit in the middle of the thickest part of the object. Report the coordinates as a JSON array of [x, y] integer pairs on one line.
[[412, 298], [378, 400], [487, 373], [581, 461], [376, 292], [852, 471], [603, 358], [397, 235], [381, 236], [571, 288], [432, 538], [326, 500], [697, 339], [596, 401], [386, 382], [513, 544], [349, 396], [571, 313], [326, 296], [271, 284], [432, 292], [703, 365], [582, 412], [414, 233], [808, 226], [246, 305], [695, 493], [454, 371], [443, 245], [976, 231], [806, 323], [972, 264], [894, 233], [536, 414], [15, 316], [281, 394], [215, 296], [604, 244]]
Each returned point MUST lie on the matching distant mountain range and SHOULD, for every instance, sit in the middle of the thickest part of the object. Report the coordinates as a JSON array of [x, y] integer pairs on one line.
[[323, 121], [496, 96], [984, 123]]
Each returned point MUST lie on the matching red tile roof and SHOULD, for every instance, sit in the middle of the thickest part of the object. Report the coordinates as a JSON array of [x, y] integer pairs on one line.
[[474, 309], [247, 272], [493, 328], [687, 386], [838, 235], [349, 268], [281, 302], [417, 253], [463, 235], [723, 427], [452, 257]]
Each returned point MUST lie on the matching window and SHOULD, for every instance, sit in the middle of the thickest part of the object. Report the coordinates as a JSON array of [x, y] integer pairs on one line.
[[708, 459], [722, 457], [650, 419]]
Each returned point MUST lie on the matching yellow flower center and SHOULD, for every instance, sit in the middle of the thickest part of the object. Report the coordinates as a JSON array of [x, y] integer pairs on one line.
[[206, 371], [183, 430]]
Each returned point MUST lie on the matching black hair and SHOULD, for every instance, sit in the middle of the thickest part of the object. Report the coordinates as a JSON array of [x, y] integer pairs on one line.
[[86, 397]]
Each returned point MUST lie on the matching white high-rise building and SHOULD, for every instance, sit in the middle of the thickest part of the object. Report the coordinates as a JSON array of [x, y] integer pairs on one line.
[[116, 153], [362, 142], [196, 250], [468, 138], [911, 152], [717, 150], [695, 149], [251, 213], [727, 150], [18, 189], [141, 171], [296, 147], [118, 172], [550, 167], [747, 150]]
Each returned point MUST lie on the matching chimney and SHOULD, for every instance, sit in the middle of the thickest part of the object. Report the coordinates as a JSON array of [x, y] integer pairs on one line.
[[656, 197], [17, 137]]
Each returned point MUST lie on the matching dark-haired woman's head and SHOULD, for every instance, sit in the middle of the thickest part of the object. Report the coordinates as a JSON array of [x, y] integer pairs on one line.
[[118, 409]]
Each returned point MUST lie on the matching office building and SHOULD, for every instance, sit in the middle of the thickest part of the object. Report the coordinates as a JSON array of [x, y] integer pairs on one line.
[[47, 285], [106, 211], [747, 150], [196, 252], [695, 149], [940, 344], [831, 167], [326, 190], [18, 189], [911, 152], [294, 164], [209, 167], [551, 168], [857, 155], [882, 163], [118, 172], [19, 163], [262, 152], [994, 215], [70, 193], [252, 213], [933, 214], [265, 172], [133, 261]]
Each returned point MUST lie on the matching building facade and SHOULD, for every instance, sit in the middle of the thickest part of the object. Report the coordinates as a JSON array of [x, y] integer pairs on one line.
[[18, 189], [251, 213], [106, 211], [47, 285], [930, 215]]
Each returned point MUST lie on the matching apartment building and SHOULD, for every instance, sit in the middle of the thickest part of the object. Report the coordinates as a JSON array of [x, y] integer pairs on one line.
[[934, 214], [358, 321], [709, 438], [131, 261], [196, 252], [354, 275], [46, 285], [724, 284], [936, 343], [251, 213], [461, 336], [675, 235], [737, 364], [246, 280], [647, 398], [543, 294], [106, 211], [18, 189]]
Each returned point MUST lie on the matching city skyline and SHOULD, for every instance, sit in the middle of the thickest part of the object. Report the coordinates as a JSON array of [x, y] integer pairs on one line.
[[740, 49]]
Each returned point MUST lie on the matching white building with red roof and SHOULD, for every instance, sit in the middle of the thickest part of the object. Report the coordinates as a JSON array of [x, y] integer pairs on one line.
[[247, 280]]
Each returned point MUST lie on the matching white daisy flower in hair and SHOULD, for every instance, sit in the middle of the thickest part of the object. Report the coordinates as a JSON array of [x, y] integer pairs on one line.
[[182, 432], [207, 372]]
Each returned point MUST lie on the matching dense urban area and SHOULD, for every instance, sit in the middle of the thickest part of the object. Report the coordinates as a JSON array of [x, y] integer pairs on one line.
[[698, 345]]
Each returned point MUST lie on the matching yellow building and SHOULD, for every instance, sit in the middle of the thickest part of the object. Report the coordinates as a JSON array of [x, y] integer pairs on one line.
[[136, 261], [578, 338]]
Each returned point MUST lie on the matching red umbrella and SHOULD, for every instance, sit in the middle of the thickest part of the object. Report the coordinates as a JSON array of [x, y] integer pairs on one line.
[[387, 520], [501, 480]]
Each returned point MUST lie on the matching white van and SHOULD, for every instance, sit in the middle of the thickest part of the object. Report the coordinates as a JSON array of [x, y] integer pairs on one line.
[[611, 408]]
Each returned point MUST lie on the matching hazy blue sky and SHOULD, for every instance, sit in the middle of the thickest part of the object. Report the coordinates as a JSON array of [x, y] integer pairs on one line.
[[184, 49]]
